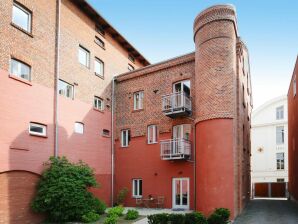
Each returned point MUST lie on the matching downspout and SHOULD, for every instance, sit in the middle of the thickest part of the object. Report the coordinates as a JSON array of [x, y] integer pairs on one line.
[[112, 142], [57, 70], [195, 173]]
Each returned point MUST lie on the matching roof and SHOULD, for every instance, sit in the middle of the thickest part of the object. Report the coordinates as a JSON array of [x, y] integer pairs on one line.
[[266, 104], [95, 16]]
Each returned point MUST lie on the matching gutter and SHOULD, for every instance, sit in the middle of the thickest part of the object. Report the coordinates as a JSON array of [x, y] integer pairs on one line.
[[112, 143]]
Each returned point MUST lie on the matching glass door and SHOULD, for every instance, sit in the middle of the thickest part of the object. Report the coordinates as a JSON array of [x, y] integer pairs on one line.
[[181, 89], [180, 193]]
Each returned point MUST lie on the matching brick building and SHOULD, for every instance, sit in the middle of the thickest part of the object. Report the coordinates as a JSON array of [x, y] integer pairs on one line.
[[177, 129], [292, 135]]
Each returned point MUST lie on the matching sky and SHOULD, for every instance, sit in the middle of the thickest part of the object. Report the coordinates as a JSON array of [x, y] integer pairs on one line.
[[163, 29]]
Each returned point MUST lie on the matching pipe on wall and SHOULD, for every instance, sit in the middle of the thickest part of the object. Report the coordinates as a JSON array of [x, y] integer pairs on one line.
[[112, 142]]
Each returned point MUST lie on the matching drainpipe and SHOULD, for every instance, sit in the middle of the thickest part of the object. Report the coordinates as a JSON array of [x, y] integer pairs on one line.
[[194, 166], [112, 142], [57, 70]]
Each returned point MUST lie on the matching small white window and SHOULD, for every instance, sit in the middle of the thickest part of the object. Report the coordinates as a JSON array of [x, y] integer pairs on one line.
[[152, 134], [98, 103], [99, 42], [280, 161], [98, 67], [280, 135], [84, 56], [138, 100], [65, 89], [20, 69], [137, 188], [294, 86], [131, 58], [79, 128], [125, 138], [130, 67], [21, 17], [37, 129], [280, 113]]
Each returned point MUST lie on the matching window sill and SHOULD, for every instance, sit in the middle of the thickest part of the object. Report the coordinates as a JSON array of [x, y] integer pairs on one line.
[[125, 147], [21, 29], [152, 143], [106, 136], [25, 81], [138, 110], [98, 110], [100, 76], [137, 197], [35, 135]]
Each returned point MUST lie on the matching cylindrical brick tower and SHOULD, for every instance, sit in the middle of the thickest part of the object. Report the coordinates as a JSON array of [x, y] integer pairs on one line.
[[215, 36]]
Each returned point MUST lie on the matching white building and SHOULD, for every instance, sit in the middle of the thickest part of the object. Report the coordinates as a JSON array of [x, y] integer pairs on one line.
[[269, 142]]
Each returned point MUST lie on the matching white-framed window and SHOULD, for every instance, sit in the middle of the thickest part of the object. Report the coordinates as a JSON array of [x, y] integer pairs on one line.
[[79, 128], [21, 17], [37, 129], [280, 113], [65, 89], [99, 42], [280, 135], [84, 56], [294, 86], [20, 69], [280, 161], [98, 103], [125, 138], [137, 188], [152, 134], [106, 132], [130, 67], [138, 98], [99, 67]]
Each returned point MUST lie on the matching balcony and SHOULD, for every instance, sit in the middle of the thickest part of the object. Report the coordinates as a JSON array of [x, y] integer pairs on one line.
[[175, 149], [176, 105]]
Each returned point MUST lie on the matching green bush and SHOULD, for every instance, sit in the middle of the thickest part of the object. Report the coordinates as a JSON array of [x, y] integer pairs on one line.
[[132, 215], [176, 218], [121, 196], [195, 218], [118, 211], [90, 217], [100, 207], [62, 192], [112, 219], [219, 216], [158, 218]]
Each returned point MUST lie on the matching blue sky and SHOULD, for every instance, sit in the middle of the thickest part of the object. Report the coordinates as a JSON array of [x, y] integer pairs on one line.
[[162, 29]]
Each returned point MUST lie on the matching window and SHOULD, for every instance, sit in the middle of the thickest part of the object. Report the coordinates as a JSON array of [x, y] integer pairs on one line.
[[137, 190], [294, 86], [84, 56], [138, 98], [280, 113], [98, 67], [152, 134], [106, 132], [280, 161], [131, 58], [21, 17], [280, 180], [98, 103], [130, 67], [37, 129], [65, 89], [99, 29], [280, 135], [99, 42], [20, 69], [125, 138], [79, 128]]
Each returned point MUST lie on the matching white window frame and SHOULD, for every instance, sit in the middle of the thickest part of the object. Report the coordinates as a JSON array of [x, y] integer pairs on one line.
[[282, 135], [130, 67], [87, 53], [19, 68], [280, 113], [64, 93], [280, 163], [79, 127], [138, 190], [101, 63], [138, 105], [294, 86], [125, 135], [97, 99], [44, 129], [152, 130], [29, 18]]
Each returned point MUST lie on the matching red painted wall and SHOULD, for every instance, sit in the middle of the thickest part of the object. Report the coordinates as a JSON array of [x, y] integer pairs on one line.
[[141, 160], [215, 165]]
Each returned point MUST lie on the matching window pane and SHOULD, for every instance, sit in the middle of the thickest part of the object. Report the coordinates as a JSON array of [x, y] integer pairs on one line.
[[20, 69], [79, 128], [135, 182], [37, 129], [83, 56], [124, 138], [21, 17], [98, 67], [140, 188], [280, 135], [65, 89]]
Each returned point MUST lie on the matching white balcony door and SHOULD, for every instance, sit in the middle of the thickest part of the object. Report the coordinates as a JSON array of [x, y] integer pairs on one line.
[[180, 189], [180, 132], [181, 87]]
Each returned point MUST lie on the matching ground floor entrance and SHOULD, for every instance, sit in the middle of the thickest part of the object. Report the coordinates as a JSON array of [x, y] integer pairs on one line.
[[180, 189], [270, 190]]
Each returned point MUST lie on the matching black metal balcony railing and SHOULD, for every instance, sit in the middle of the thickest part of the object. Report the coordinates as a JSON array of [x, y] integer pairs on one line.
[[176, 104], [173, 149]]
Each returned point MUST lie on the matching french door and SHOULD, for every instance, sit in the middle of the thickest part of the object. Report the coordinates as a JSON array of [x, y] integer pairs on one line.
[[180, 189], [180, 88]]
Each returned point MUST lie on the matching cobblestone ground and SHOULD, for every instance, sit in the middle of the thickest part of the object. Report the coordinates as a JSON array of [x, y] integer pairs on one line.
[[269, 212]]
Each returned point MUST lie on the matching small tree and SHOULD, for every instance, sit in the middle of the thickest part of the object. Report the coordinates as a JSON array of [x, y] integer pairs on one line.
[[121, 196], [62, 192]]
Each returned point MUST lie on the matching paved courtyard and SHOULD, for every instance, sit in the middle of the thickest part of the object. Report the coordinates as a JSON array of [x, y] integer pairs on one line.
[[269, 212]]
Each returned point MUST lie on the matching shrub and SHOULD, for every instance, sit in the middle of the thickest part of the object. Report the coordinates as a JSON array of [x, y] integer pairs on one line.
[[90, 217], [219, 216], [176, 218], [121, 196], [195, 218], [62, 192], [100, 207], [158, 218], [118, 211], [112, 219], [132, 215]]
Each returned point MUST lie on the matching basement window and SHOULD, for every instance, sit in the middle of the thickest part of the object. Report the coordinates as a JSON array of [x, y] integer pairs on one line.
[[37, 129], [106, 133], [79, 128]]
